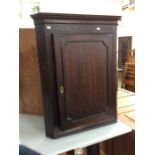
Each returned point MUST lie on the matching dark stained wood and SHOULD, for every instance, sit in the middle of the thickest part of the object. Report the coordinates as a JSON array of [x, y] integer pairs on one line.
[[78, 71], [129, 77], [125, 144], [108, 149], [70, 152], [73, 18], [29, 74], [84, 60], [93, 150], [122, 145], [65, 16]]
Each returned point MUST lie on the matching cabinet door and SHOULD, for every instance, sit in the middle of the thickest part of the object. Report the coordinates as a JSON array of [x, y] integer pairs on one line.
[[83, 66]]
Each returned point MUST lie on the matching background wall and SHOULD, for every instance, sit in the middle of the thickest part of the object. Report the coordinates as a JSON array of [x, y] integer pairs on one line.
[[81, 6], [106, 7], [127, 26]]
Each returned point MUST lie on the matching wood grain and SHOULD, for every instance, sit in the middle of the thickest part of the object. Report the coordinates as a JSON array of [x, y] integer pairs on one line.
[[122, 145], [30, 88], [83, 62], [125, 144], [67, 60]]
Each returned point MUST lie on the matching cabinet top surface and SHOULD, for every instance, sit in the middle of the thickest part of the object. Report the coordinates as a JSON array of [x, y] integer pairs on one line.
[[75, 17]]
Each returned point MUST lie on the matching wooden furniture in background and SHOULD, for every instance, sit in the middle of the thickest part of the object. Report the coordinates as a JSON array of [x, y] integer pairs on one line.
[[122, 145], [77, 57], [124, 45], [29, 76], [131, 56], [129, 72], [125, 144], [129, 77]]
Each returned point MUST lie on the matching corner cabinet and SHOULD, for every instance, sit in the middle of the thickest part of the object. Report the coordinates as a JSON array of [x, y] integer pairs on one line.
[[77, 58]]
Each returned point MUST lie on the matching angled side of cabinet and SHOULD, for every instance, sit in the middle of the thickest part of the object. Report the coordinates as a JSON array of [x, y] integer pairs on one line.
[[77, 57]]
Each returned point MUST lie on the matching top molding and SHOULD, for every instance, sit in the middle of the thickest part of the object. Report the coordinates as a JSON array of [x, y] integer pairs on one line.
[[73, 18]]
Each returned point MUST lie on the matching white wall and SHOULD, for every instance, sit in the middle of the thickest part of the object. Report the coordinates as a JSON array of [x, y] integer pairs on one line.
[[127, 26], [103, 7], [82, 6]]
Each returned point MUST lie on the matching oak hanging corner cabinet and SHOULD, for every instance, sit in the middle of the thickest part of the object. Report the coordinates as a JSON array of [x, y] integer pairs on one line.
[[77, 59]]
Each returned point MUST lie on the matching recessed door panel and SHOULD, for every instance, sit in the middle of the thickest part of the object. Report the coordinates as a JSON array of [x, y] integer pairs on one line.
[[82, 72]]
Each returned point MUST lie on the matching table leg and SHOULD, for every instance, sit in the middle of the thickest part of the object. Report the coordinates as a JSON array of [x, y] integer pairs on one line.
[[93, 150], [70, 152], [109, 147]]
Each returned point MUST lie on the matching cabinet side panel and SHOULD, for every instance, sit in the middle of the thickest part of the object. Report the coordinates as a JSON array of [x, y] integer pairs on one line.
[[113, 76], [48, 80]]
